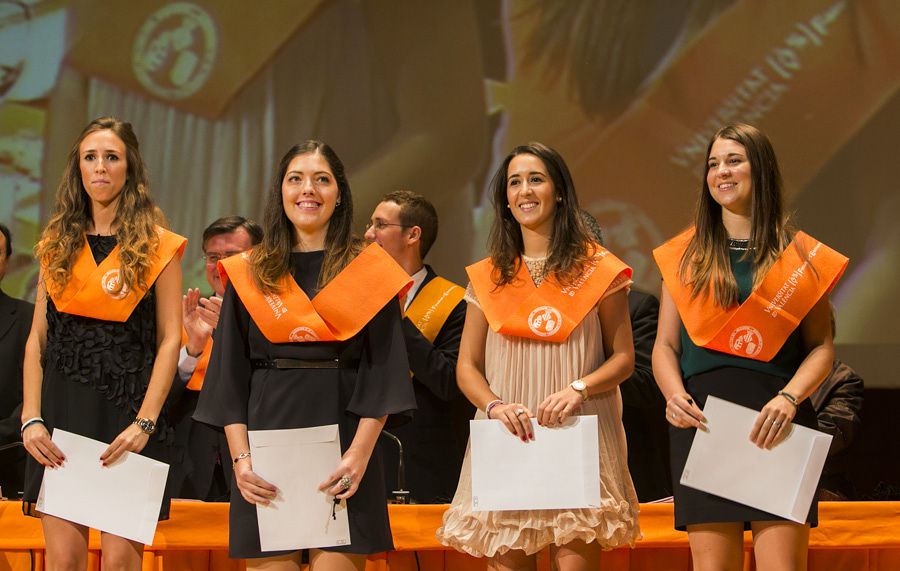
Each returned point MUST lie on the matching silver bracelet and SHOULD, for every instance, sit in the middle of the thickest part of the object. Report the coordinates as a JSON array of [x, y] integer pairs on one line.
[[241, 456]]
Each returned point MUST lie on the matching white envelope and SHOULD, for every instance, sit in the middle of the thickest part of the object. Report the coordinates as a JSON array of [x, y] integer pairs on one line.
[[123, 498], [296, 461], [779, 481], [559, 469]]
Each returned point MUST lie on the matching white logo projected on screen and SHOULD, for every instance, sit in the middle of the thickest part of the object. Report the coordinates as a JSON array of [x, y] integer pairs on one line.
[[545, 321], [746, 340], [110, 283], [303, 334], [175, 50]]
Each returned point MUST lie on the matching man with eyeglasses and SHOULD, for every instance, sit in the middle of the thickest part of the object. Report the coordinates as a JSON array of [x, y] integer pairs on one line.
[[405, 224], [198, 469]]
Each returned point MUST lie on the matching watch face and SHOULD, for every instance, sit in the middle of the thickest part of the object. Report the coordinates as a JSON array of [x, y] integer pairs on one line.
[[578, 385]]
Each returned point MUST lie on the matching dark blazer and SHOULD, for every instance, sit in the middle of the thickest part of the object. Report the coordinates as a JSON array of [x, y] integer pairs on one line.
[[15, 324], [644, 408], [201, 463], [838, 402], [434, 443]]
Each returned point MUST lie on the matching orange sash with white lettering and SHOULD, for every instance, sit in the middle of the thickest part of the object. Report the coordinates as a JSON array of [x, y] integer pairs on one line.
[[90, 291], [195, 383], [756, 329], [338, 312], [433, 305], [550, 312]]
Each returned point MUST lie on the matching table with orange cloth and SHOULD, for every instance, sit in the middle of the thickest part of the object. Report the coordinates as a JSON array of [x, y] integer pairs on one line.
[[851, 536]]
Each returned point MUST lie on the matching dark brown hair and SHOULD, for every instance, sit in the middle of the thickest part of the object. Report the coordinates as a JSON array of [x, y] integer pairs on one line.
[[570, 243], [270, 262], [415, 210], [706, 263], [229, 224]]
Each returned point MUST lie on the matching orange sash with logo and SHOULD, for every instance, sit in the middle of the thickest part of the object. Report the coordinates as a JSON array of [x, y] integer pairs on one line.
[[338, 312], [806, 270], [432, 306], [550, 312], [195, 383], [90, 291]]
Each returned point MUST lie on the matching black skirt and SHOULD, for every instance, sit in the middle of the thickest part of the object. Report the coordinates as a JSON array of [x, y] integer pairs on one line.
[[752, 389]]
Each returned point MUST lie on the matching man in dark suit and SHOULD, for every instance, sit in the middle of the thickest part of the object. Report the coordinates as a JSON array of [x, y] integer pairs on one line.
[[15, 324], [644, 408], [405, 224], [201, 467]]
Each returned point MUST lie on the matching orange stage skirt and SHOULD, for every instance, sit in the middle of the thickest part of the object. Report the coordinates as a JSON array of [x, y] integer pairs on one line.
[[851, 536]]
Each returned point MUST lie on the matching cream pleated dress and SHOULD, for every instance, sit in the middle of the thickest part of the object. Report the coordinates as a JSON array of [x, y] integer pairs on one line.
[[526, 370]]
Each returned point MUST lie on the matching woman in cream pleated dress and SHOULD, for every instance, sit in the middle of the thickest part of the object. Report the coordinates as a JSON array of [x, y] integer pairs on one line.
[[515, 378]]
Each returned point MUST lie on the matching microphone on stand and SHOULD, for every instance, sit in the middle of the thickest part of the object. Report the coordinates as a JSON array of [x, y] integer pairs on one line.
[[400, 495]]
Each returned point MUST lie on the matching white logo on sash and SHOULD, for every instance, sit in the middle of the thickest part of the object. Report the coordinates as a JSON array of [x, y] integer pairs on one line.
[[545, 321], [746, 340], [303, 334], [110, 282]]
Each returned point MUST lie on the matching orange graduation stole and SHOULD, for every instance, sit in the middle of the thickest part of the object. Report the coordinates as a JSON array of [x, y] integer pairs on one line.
[[90, 291], [338, 312], [432, 306], [806, 270], [195, 383], [550, 312]]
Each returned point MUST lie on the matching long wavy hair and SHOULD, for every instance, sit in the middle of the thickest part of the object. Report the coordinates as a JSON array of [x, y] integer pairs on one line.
[[705, 263], [571, 245], [135, 220], [270, 261]]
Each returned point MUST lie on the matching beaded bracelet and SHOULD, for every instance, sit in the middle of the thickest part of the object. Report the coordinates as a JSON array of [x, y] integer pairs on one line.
[[789, 397], [491, 405], [29, 422]]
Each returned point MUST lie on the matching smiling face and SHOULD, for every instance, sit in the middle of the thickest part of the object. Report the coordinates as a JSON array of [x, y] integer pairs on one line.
[[104, 168], [728, 176], [309, 194], [530, 193]]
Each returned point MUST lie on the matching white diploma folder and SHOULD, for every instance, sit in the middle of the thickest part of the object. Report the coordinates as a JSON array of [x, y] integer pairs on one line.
[[123, 498], [296, 461], [559, 469], [780, 481]]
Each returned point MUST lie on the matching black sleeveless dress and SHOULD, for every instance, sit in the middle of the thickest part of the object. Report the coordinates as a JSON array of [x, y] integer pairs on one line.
[[96, 373]]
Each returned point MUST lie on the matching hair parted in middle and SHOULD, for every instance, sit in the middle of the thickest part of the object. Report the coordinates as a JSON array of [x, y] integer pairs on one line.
[[270, 261], [571, 245], [705, 263], [136, 216]]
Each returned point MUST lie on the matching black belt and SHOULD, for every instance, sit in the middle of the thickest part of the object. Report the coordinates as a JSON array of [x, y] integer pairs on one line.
[[304, 363]]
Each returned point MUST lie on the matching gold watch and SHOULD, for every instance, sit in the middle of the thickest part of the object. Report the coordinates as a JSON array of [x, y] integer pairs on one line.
[[579, 386]]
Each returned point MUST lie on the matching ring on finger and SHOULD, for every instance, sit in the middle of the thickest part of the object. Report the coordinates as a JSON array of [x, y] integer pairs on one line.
[[345, 482], [673, 415], [519, 411]]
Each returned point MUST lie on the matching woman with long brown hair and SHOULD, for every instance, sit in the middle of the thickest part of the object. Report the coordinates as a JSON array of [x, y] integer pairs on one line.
[[104, 341], [309, 335], [719, 335], [547, 336]]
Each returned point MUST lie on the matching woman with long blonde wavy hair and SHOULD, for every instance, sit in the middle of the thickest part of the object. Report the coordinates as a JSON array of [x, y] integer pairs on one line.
[[104, 341]]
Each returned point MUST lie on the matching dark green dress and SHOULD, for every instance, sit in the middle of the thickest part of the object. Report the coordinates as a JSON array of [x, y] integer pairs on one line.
[[743, 381]]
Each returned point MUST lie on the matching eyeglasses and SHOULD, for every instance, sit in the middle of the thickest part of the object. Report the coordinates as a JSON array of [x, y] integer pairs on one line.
[[212, 258], [379, 225]]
